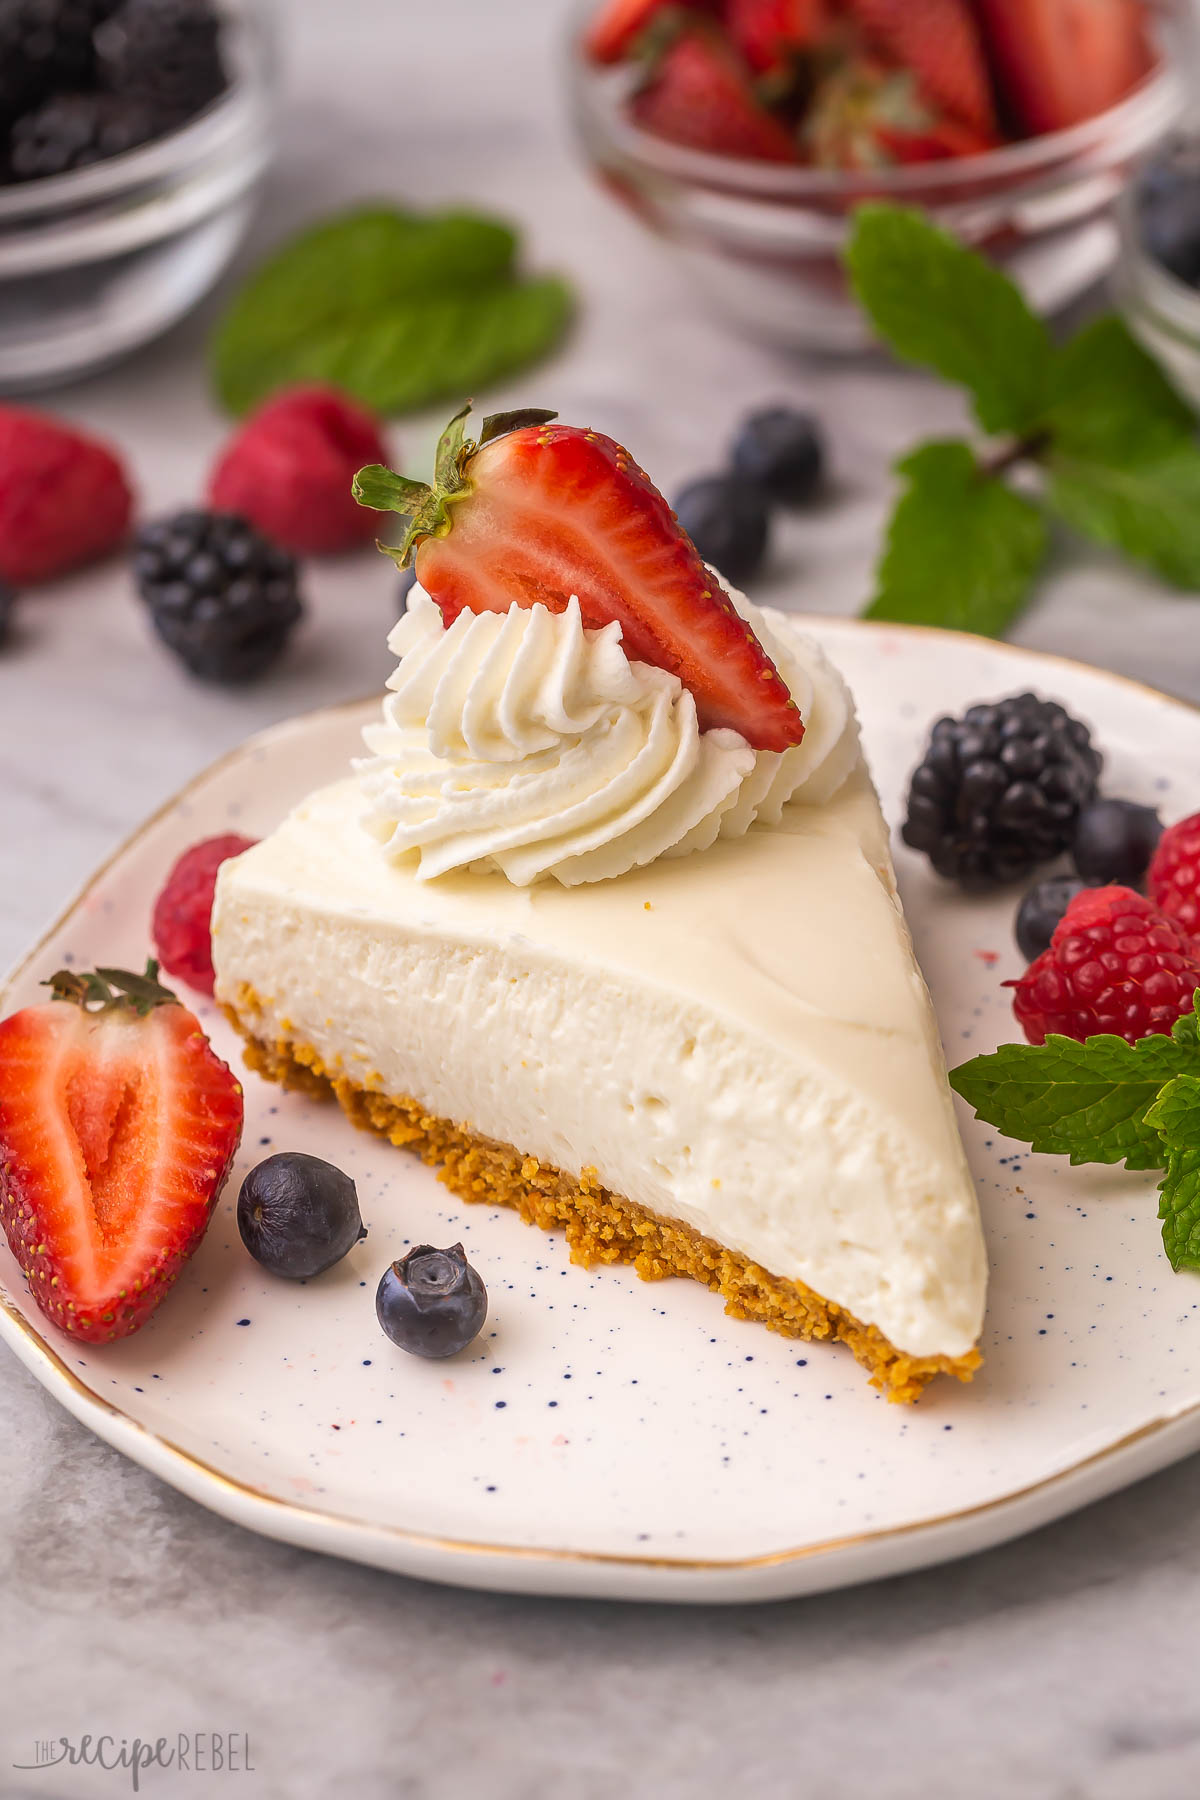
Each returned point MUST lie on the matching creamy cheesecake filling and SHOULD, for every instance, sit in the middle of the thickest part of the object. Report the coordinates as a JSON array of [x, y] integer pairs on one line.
[[740, 1041]]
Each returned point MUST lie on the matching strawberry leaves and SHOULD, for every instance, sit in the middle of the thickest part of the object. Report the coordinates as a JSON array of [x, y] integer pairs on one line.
[[1097, 438], [110, 990]]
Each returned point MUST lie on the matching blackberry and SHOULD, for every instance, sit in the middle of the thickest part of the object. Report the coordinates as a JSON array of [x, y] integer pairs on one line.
[[45, 45], [71, 130], [999, 790], [221, 596], [166, 53]]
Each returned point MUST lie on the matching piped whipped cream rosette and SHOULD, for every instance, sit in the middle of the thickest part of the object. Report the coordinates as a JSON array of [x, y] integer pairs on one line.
[[525, 742]]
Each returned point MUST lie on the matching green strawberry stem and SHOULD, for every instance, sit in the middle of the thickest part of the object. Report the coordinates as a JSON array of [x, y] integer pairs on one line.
[[428, 507], [93, 990]]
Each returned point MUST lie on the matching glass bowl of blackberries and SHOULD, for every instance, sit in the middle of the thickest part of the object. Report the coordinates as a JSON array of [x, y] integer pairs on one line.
[[133, 137], [745, 135], [1158, 276]]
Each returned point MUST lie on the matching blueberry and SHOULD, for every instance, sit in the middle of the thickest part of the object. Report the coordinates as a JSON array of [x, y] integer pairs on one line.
[[782, 451], [727, 521], [298, 1215], [1040, 911], [404, 588], [432, 1303], [1168, 198], [1114, 841]]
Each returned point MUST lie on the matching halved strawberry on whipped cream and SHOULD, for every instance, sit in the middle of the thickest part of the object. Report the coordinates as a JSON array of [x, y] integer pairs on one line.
[[537, 513]]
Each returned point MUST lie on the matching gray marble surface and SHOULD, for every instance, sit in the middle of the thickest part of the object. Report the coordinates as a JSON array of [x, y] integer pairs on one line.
[[1059, 1668]]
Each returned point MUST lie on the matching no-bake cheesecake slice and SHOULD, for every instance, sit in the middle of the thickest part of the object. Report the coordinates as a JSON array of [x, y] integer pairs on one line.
[[609, 962]]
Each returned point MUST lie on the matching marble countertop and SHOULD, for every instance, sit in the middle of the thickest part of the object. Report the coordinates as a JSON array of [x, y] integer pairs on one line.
[[1057, 1668]]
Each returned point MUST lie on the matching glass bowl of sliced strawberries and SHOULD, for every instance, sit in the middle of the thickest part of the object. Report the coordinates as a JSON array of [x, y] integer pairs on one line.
[[745, 132]]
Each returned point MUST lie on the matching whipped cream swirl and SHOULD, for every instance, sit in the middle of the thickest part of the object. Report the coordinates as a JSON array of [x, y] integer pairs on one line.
[[525, 742]]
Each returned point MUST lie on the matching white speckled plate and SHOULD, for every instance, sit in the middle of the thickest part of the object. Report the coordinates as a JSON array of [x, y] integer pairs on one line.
[[613, 1438]]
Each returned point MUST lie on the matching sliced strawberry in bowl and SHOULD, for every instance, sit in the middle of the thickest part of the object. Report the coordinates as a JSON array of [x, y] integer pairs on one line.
[[940, 42], [867, 114], [538, 512], [701, 94], [771, 33], [1058, 62], [617, 26], [118, 1126]]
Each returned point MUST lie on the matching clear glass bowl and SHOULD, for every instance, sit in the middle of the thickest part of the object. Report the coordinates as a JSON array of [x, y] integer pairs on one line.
[[763, 240], [95, 263], [1163, 310]]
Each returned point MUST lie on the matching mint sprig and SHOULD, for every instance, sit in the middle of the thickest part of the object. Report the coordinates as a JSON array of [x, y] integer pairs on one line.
[[398, 308], [961, 550], [1092, 434], [1106, 1101]]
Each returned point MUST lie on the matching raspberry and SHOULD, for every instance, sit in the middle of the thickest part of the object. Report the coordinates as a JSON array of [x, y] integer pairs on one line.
[[181, 927], [1116, 964], [1174, 879], [290, 467], [64, 499]]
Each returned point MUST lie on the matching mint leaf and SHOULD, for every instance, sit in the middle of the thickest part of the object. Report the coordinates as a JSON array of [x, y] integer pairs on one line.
[[1110, 401], [1175, 1115], [1149, 508], [962, 549], [414, 354], [1086, 1101], [1179, 1209], [943, 306], [399, 309]]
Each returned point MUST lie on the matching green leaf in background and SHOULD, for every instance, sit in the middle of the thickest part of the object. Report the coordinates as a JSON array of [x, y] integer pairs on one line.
[[1179, 1209], [1148, 507], [962, 549], [398, 309], [939, 304], [1109, 400], [1091, 1102]]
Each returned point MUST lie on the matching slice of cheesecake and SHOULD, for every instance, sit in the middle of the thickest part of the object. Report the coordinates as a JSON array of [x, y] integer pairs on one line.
[[723, 1065], [619, 949]]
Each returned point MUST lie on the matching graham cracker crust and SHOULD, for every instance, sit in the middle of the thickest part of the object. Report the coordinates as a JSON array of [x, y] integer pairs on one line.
[[599, 1226]]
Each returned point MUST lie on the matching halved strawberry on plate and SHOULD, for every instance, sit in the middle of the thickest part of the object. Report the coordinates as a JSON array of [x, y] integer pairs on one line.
[[1058, 62], [118, 1126], [537, 512]]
